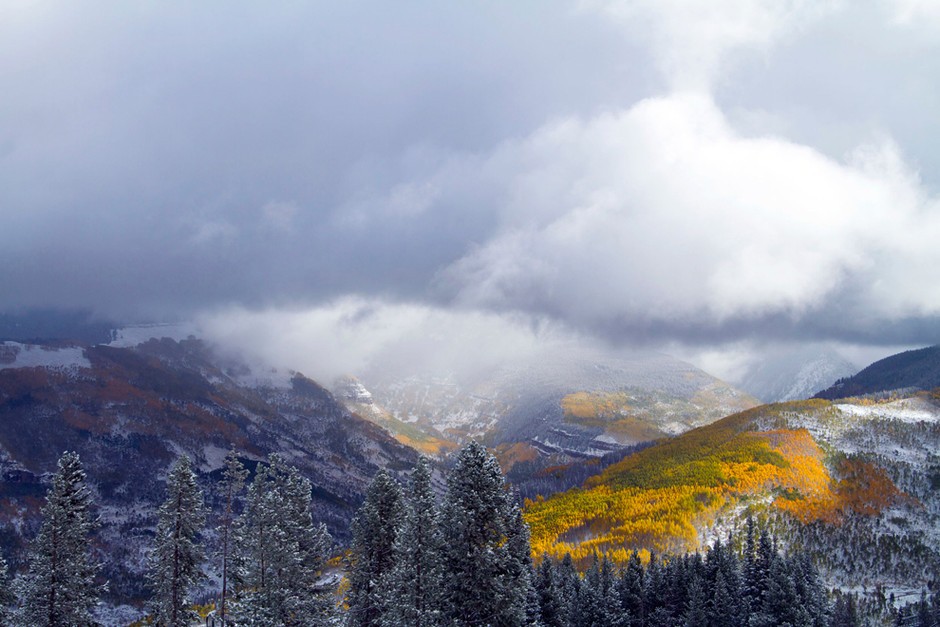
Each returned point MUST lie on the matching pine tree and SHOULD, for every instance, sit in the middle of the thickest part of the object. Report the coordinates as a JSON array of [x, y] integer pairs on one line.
[[810, 590], [630, 588], [924, 618], [550, 595], [59, 590], [480, 590], [568, 584], [6, 593], [414, 584], [589, 610], [845, 613], [175, 567], [374, 532], [518, 566], [724, 608], [696, 614], [281, 553], [233, 482]]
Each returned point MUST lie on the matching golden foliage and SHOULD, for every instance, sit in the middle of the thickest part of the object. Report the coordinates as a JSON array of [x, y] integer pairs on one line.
[[509, 455], [862, 488], [653, 499]]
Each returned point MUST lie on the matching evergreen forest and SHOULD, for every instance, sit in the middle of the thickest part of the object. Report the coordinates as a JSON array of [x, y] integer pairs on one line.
[[421, 555]]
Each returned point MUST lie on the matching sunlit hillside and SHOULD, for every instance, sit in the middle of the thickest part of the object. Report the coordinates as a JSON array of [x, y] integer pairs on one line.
[[861, 470]]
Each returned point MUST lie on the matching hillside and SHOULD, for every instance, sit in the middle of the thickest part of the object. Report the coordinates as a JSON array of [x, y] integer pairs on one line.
[[571, 404], [130, 412], [916, 369], [796, 374], [854, 483]]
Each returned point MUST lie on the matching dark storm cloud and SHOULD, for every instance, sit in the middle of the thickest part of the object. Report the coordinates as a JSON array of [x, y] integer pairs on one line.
[[142, 143], [636, 170]]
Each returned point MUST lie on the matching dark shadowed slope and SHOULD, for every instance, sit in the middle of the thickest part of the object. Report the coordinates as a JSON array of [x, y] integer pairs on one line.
[[918, 369]]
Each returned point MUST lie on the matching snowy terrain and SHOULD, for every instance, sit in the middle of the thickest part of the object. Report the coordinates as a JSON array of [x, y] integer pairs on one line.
[[16, 355]]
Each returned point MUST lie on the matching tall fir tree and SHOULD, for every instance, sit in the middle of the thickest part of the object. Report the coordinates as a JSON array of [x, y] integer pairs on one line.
[[281, 553], [59, 590], [233, 483], [630, 589], [480, 589], [374, 533], [519, 567], [550, 595], [845, 612], [176, 561], [6, 593], [414, 583], [568, 583]]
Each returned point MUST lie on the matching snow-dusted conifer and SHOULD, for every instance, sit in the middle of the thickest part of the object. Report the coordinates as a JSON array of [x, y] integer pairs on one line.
[[233, 482], [281, 552], [479, 590], [551, 608], [630, 588], [374, 532], [518, 568], [175, 564], [414, 584], [59, 589], [6, 593]]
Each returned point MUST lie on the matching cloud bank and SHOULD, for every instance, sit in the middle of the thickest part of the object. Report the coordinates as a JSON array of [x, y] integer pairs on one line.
[[641, 172]]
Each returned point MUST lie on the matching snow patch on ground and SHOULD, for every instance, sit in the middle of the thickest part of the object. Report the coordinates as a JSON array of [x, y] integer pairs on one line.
[[16, 355], [274, 378], [215, 458], [906, 410]]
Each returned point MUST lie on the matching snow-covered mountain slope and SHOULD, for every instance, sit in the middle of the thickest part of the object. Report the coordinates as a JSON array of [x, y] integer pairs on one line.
[[129, 412], [795, 374], [577, 402]]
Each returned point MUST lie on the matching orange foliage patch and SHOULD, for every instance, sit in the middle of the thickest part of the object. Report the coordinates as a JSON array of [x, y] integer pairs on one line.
[[510, 455], [863, 489]]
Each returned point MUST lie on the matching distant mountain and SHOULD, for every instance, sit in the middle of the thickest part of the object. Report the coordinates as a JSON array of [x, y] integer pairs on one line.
[[917, 369], [855, 484], [795, 374], [129, 412], [576, 403]]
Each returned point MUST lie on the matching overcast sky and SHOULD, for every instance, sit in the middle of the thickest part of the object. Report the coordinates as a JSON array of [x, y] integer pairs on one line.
[[707, 176]]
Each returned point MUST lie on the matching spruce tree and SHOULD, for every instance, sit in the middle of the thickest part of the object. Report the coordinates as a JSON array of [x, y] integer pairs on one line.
[[374, 532], [518, 567], [568, 584], [59, 589], [6, 593], [845, 613], [175, 564], [480, 589], [550, 595], [696, 614], [630, 588], [281, 552], [233, 482], [414, 583]]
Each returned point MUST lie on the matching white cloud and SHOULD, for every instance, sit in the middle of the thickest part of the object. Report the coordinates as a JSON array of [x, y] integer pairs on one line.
[[664, 212], [915, 13], [693, 40], [357, 335]]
